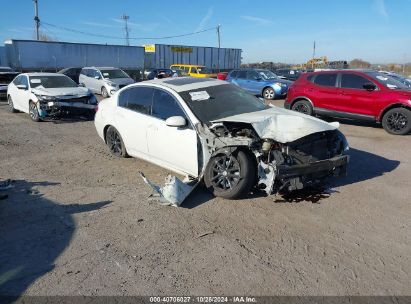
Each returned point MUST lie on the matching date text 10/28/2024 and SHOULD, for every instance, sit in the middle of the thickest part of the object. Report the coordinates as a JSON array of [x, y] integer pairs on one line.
[[239, 299]]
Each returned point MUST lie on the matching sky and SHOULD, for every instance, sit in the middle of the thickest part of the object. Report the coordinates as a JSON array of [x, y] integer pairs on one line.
[[266, 30]]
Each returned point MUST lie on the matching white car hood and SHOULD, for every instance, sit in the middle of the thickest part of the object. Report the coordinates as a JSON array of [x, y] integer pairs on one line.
[[282, 125], [61, 92]]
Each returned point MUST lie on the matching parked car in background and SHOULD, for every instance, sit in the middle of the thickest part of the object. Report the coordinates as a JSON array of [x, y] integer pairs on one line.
[[259, 82], [45, 95], [289, 74], [198, 71], [6, 76], [222, 75], [214, 130], [135, 74], [73, 73], [104, 80], [160, 73], [404, 80], [353, 94]]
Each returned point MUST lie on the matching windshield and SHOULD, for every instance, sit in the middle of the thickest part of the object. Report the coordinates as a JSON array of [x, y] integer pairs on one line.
[[388, 81], [214, 103], [115, 73], [52, 82], [266, 74]]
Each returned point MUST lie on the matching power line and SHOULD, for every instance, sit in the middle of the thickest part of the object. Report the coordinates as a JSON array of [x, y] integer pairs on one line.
[[131, 38]]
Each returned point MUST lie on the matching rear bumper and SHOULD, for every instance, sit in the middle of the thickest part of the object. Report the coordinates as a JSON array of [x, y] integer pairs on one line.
[[336, 166]]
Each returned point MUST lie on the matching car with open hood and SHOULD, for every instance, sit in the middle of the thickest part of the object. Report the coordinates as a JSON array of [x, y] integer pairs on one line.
[[49, 95], [212, 130], [259, 82]]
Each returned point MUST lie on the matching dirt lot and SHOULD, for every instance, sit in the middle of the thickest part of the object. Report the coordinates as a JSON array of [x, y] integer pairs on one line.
[[79, 222]]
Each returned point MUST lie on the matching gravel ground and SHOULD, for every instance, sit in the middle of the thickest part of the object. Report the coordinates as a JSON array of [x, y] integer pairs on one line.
[[79, 222]]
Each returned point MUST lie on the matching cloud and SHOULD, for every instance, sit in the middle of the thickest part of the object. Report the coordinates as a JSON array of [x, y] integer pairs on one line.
[[380, 6], [205, 19], [258, 20]]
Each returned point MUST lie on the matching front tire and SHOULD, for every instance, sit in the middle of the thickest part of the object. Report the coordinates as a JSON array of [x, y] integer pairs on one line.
[[303, 106], [115, 142], [230, 176], [33, 112], [397, 121], [11, 105], [269, 93], [104, 92]]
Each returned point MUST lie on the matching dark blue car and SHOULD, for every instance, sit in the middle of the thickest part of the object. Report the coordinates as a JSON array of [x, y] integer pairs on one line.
[[259, 82]]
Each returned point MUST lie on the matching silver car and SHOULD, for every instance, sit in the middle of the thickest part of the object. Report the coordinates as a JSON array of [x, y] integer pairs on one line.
[[104, 80]]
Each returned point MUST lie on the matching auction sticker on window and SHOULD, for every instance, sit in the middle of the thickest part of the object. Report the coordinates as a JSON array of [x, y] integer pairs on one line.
[[201, 95], [35, 80]]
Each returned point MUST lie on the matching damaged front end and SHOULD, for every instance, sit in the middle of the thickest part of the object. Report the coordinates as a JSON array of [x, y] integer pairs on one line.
[[57, 106]]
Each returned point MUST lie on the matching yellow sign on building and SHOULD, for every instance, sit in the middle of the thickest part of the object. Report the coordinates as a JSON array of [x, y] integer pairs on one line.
[[149, 48]]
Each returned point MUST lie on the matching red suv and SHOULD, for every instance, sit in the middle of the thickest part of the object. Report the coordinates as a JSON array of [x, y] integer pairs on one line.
[[353, 94]]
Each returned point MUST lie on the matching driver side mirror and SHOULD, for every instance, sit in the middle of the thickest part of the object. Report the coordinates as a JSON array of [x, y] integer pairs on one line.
[[22, 87], [369, 86], [176, 121]]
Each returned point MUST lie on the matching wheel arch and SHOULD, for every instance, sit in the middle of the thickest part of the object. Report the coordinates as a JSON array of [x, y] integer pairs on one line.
[[105, 131], [301, 98], [266, 87], [390, 107]]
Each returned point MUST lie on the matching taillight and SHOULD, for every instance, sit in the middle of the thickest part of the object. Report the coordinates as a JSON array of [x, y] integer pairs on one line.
[[96, 108]]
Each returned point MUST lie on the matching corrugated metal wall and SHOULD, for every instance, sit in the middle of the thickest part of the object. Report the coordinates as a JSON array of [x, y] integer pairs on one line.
[[214, 58], [3, 59], [37, 55]]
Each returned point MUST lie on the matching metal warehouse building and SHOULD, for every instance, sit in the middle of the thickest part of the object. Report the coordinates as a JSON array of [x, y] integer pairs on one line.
[[162, 56], [32, 55]]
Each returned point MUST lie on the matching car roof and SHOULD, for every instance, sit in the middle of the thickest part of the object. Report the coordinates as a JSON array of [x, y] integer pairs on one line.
[[181, 84], [44, 74], [101, 68], [188, 65]]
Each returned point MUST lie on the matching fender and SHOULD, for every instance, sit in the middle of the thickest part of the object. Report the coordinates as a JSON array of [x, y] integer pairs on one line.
[[398, 104]]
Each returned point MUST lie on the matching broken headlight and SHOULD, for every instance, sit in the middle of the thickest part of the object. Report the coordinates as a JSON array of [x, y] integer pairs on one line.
[[46, 98]]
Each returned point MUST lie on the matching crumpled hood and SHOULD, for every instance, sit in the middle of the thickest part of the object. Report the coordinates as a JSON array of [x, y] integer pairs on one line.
[[282, 125], [120, 81], [62, 92]]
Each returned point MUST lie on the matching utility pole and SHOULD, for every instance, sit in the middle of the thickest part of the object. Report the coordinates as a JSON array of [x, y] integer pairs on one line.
[[125, 18], [314, 50], [36, 18], [219, 45]]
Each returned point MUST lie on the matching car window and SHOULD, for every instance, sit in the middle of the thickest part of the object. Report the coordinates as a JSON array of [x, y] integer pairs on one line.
[[137, 99], [233, 74], [327, 80], [193, 70], [17, 80], [165, 106], [242, 74], [24, 81], [186, 69], [253, 75], [353, 81]]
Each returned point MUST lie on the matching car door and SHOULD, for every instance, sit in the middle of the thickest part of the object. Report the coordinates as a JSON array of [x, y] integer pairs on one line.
[[324, 91], [21, 96], [173, 147], [132, 117], [241, 80], [254, 83], [358, 100]]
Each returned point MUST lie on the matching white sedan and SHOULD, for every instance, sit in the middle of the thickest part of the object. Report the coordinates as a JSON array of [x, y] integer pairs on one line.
[[210, 129], [45, 95]]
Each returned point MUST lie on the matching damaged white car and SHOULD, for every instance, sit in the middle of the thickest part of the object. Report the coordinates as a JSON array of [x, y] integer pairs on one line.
[[49, 95], [212, 130]]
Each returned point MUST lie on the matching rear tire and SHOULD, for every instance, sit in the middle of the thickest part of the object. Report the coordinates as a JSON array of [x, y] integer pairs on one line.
[[33, 112], [104, 92], [303, 106], [397, 121], [11, 105], [269, 93], [115, 142], [230, 176]]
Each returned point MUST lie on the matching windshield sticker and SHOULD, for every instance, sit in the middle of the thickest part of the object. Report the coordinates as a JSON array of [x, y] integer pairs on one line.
[[382, 78], [105, 74], [35, 80], [201, 95]]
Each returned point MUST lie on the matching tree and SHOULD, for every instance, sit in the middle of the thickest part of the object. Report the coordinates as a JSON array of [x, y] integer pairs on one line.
[[45, 37], [359, 63]]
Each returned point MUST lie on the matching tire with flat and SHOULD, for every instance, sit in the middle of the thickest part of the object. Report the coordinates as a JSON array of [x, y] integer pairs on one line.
[[115, 142], [230, 176], [269, 93], [11, 105], [303, 106], [33, 112], [397, 121]]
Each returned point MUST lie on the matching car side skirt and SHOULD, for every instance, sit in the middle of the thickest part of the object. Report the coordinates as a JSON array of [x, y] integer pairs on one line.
[[346, 115]]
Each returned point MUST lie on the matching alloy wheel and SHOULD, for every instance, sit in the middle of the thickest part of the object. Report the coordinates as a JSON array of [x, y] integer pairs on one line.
[[114, 143], [302, 108], [225, 172], [397, 121], [269, 94]]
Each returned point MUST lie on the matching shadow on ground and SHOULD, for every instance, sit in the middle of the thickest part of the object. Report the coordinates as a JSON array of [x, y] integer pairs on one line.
[[34, 231]]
